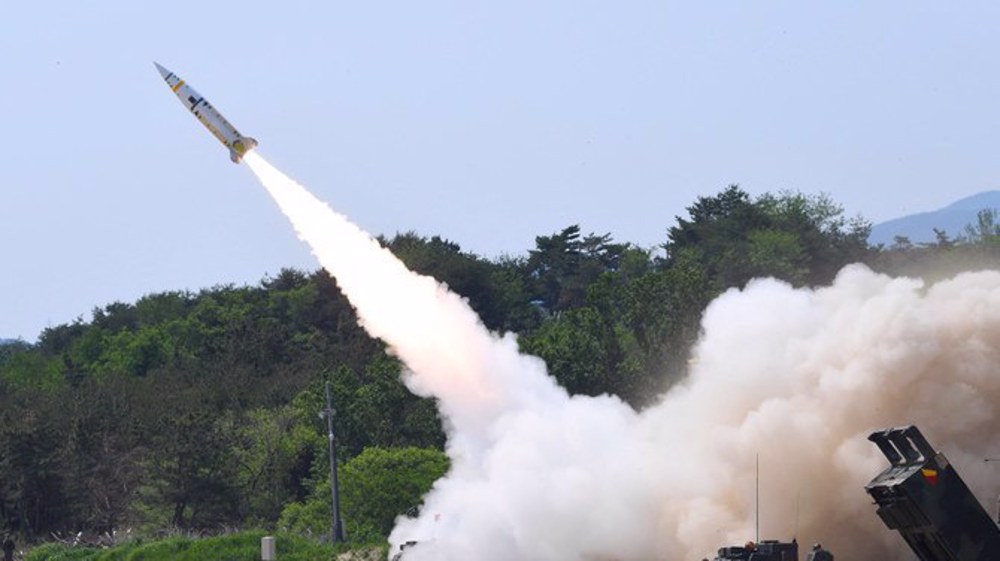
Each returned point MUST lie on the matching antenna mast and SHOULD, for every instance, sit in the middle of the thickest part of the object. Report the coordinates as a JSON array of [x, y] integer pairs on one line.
[[798, 501], [757, 500]]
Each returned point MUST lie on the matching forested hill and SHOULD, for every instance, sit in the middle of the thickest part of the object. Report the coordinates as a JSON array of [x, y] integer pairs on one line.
[[199, 410], [925, 227]]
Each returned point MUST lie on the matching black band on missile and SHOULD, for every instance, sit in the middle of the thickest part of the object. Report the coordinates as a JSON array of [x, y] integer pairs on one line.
[[195, 104], [169, 76]]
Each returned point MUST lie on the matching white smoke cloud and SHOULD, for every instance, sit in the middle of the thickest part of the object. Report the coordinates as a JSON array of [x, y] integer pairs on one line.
[[797, 378]]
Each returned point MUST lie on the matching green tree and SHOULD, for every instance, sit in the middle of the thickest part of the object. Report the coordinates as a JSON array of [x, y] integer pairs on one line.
[[377, 486], [564, 265], [25, 367], [985, 232], [828, 239], [797, 238], [106, 453], [580, 350], [513, 307], [275, 452], [192, 472], [33, 496], [373, 408]]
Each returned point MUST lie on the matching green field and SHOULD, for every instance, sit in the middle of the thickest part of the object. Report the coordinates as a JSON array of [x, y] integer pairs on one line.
[[243, 546]]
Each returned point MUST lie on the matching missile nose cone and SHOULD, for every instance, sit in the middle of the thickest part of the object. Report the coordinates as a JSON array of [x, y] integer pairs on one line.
[[163, 71]]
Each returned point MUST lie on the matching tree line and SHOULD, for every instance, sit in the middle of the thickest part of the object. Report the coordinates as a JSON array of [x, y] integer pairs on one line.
[[198, 410]]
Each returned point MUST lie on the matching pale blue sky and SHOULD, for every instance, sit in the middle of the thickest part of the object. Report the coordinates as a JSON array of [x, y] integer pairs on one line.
[[487, 123]]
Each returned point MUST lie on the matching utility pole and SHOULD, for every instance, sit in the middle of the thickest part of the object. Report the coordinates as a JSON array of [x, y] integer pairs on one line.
[[337, 526]]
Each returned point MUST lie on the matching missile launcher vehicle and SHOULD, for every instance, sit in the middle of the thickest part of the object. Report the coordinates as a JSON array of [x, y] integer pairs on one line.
[[921, 496]]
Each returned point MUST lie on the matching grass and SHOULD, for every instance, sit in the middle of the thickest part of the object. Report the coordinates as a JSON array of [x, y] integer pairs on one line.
[[243, 546]]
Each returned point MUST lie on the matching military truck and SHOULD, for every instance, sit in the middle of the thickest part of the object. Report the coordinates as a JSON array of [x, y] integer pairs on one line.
[[766, 550], [921, 496]]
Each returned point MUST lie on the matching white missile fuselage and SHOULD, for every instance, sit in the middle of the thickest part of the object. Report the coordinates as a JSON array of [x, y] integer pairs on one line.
[[209, 116]]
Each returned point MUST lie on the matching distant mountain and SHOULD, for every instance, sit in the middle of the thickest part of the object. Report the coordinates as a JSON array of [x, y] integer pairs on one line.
[[919, 228], [7, 341]]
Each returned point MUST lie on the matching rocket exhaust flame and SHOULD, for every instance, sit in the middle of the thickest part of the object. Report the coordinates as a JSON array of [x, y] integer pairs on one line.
[[537, 474]]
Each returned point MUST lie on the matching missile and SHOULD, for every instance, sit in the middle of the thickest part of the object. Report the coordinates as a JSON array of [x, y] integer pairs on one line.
[[209, 116]]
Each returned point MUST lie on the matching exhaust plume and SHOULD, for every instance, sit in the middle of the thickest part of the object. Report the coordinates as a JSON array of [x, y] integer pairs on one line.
[[799, 377]]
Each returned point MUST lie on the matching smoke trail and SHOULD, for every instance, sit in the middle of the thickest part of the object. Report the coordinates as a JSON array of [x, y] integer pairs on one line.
[[797, 376], [475, 375]]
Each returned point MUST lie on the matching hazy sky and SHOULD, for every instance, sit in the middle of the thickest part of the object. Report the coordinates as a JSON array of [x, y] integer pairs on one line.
[[487, 123]]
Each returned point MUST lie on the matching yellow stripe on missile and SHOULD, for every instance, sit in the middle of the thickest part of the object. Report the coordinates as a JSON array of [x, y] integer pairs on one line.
[[178, 86]]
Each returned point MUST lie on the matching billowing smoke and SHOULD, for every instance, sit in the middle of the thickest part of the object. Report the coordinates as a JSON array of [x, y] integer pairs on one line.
[[797, 378]]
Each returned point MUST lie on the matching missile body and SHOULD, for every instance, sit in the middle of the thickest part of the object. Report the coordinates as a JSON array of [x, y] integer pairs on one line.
[[209, 116]]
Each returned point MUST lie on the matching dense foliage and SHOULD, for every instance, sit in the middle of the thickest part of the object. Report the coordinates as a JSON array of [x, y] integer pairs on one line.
[[377, 486], [198, 411]]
